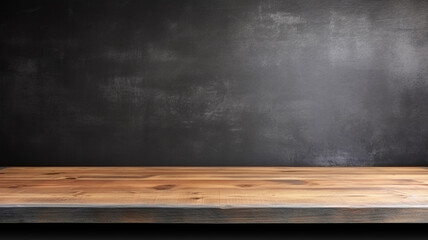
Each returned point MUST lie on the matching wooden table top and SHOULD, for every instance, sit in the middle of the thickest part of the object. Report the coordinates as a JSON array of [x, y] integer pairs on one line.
[[336, 194]]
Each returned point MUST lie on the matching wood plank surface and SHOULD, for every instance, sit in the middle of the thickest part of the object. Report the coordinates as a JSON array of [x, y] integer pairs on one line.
[[214, 194]]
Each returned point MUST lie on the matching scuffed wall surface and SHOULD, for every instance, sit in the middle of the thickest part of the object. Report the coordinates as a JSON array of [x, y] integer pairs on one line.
[[304, 82]]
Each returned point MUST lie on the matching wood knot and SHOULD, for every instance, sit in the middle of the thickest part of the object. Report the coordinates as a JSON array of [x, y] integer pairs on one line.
[[164, 187], [244, 185]]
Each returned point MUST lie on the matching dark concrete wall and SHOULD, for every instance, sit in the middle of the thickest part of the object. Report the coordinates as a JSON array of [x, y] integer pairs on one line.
[[221, 82]]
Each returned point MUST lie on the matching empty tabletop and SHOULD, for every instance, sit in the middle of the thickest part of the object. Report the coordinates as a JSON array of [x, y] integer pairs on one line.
[[214, 194]]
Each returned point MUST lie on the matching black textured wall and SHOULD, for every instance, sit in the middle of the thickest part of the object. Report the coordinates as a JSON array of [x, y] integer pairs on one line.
[[221, 82]]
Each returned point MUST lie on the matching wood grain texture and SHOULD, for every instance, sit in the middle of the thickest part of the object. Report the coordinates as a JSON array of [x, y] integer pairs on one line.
[[214, 194]]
